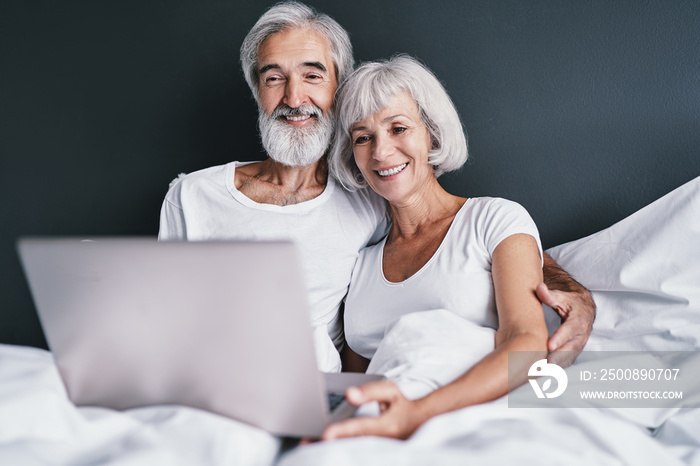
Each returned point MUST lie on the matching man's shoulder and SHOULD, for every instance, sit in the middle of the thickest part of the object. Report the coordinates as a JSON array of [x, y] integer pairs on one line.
[[198, 183], [217, 172], [370, 209], [364, 198]]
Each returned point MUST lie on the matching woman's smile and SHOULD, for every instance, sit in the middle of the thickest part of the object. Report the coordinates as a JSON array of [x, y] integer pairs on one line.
[[385, 173]]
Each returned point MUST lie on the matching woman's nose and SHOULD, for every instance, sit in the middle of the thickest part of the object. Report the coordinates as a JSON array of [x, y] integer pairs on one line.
[[382, 148]]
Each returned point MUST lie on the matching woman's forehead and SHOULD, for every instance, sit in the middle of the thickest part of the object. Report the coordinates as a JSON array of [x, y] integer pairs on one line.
[[400, 104]]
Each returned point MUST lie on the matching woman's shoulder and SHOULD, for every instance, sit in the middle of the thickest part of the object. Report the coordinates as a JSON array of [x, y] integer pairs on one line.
[[489, 208], [494, 219], [487, 202]]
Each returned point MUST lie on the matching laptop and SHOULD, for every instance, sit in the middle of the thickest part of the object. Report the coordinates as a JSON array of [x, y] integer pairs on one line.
[[219, 326]]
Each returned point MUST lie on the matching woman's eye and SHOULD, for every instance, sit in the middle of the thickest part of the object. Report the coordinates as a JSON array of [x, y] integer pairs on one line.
[[399, 129], [361, 139]]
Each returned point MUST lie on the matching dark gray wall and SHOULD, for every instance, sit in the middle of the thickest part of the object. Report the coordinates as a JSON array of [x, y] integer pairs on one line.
[[583, 111]]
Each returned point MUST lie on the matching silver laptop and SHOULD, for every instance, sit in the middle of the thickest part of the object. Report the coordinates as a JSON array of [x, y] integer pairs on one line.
[[220, 326]]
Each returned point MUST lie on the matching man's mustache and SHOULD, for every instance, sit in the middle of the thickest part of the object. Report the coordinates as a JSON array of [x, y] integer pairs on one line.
[[283, 110]]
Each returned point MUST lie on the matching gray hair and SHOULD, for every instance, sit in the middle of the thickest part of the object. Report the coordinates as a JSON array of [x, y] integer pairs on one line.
[[372, 87], [289, 15]]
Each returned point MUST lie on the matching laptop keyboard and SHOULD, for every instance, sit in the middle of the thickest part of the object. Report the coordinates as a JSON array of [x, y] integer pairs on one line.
[[334, 400]]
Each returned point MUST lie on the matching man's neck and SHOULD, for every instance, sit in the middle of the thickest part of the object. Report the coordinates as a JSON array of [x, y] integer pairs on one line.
[[269, 182]]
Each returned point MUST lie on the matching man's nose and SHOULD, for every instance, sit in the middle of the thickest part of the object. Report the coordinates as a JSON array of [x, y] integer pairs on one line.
[[294, 93]]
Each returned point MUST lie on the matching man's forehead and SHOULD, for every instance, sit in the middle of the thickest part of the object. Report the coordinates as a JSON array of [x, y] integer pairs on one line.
[[295, 47]]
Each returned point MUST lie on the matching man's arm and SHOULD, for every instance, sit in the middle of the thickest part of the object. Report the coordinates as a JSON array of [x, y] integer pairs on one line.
[[172, 217], [575, 306]]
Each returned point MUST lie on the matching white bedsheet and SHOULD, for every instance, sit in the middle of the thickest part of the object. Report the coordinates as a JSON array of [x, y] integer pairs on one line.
[[40, 426], [495, 434], [644, 273]]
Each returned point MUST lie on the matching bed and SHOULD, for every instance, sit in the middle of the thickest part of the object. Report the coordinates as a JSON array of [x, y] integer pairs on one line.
[[644, 273]]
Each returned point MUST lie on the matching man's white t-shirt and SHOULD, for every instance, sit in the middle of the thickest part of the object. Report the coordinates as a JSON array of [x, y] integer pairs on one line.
[[457, 278], [330, 230]]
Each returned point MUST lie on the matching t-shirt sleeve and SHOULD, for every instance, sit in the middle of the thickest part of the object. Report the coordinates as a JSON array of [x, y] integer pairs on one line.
[[504, 218], [172, 217]]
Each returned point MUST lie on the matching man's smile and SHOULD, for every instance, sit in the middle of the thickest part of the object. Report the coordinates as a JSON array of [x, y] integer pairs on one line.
[[297, 117]]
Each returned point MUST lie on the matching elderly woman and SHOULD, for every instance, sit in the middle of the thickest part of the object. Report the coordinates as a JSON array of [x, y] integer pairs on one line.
[[479, 258]]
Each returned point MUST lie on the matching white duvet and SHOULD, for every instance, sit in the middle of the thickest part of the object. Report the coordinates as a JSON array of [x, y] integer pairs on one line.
[[40, 426], [644, 273]]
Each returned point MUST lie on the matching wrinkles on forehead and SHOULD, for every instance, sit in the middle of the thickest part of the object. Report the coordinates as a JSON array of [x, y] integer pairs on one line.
[[295, 49]]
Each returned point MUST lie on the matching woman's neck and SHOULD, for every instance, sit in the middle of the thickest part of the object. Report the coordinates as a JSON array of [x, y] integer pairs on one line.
[[423, 209]]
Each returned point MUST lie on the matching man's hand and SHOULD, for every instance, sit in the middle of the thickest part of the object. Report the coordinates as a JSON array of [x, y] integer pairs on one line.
[[399, 416], [577, 310]]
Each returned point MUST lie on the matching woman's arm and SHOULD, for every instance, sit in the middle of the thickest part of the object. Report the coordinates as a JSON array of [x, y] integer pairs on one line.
[[516, 272]]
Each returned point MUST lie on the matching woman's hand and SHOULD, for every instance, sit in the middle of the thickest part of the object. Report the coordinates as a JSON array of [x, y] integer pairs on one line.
[[399, 416]]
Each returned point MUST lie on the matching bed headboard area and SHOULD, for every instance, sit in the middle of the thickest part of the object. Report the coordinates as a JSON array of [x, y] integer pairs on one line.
[[582, 111]]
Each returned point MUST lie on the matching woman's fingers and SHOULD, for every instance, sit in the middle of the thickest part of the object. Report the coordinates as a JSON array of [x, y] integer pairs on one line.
[[383, 391], [395, 420]]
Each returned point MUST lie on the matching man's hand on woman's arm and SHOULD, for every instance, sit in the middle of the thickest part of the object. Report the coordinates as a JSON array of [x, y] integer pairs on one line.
[[574, 305]]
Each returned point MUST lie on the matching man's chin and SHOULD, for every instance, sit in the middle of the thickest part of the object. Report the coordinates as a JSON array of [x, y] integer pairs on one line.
[[295, 162], [290, 145]]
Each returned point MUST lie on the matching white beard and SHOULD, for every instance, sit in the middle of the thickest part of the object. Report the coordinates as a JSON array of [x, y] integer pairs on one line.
[[291, 145]]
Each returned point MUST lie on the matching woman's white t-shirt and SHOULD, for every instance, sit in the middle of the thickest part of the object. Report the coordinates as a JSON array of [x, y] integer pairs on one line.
[[456, 278]]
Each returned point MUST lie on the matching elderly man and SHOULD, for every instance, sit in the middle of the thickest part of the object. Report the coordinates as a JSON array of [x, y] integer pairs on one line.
[[293, 60]]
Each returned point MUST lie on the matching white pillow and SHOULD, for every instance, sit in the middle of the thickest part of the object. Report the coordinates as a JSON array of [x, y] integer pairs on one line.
[[644, 274]]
